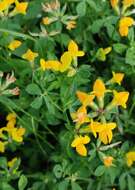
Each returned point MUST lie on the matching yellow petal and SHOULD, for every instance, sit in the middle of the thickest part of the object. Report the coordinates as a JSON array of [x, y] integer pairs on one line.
[[66, 60], [117, 78], [85, 98], [14, 44], [81, 149], [80, 53], [53, 65], [17, 134], [108, 161], [86, 139], [76, 141], [99, 88], [130, 157], [114, 3], [72, 47], [29, 55], [109, 134], [2, 147], [12, 162], [107, 50], [21, 7], [111, 126], [42, 64], [120, 98], [11, 116], [103, 137], [128, 3]]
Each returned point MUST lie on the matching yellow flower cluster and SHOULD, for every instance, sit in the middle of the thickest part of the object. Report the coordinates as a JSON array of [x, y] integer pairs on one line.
[[125, 21], [13, 133], [56, 13], [68, 60], [95, 121], [65, 61], [20, 7]]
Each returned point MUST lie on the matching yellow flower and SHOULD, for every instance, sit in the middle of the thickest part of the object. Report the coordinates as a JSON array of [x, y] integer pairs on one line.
[[130, 157], [20, 7], [46, 20], [11, 116], [114, 3], [108, 161], [66, 60], [14, 44], [2, 146], [101, 53], [124, 24], [17, 133], [73, 50], [52, 64], [120, 98], [99, 88], [128, 3], [79, 143], [105, 132], [94, 127], [117, 78], [80, 116], [11, 124], [30, 55], [12, 162], [5, 4], [85, 98], [71, 24]]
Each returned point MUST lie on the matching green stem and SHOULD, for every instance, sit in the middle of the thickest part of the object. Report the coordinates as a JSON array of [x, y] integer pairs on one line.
[[131, 109], [34, 131], [17, 34]]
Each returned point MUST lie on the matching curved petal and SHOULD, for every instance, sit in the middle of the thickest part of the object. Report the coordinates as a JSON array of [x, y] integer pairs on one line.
[[109, 135], [66, 60], [86, 139], [81, 149], [75, 142], [72, 47], [103, 137], [80, 53]]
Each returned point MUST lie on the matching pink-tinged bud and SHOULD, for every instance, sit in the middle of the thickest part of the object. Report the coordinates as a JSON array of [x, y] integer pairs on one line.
[[1, 74], [10, 79], [15, 91]]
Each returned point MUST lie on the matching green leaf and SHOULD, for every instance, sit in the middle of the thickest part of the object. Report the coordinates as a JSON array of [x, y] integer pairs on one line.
[[33, 89], [37, 102], [99, 170], [122, 181], [57, 170], [97, 25], [93, 5], [5, 186], [119, 48], [131, 183], [3, 162], [22, 182], [81, 9], [75, 186], [63, 185], [130, 55]]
